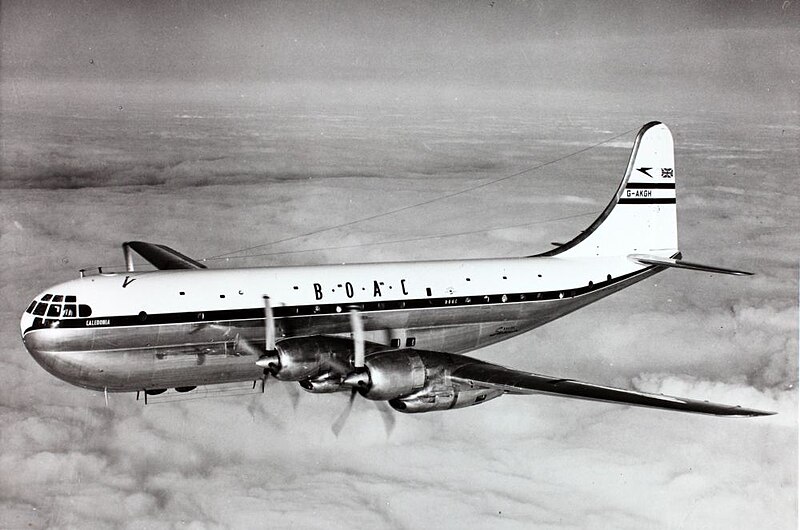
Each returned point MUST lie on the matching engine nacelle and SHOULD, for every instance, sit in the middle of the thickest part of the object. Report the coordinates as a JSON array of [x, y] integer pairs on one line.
[[323, 385], [449, 397], [419, 381], [311, 357]]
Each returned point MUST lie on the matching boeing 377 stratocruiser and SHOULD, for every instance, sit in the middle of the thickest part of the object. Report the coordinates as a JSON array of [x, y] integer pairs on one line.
[[392, 332]]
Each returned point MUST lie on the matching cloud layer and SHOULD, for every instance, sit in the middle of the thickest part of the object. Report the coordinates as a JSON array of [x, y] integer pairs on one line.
[[91, 158], [514, 462]]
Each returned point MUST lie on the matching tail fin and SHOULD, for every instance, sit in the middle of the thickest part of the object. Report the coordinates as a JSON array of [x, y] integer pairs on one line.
[[641, 218]]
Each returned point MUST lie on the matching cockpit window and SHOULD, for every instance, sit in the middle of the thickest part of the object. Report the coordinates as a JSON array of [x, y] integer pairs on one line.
[[54, 309]]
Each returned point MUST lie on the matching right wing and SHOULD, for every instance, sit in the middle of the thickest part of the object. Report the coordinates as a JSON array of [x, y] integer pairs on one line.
[[485, 375]]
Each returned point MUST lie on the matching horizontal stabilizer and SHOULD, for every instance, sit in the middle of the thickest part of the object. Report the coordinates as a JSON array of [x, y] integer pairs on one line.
[[161, 256], [680, 264]]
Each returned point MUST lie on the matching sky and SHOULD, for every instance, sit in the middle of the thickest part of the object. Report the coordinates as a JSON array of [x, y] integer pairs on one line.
[[216, 126]]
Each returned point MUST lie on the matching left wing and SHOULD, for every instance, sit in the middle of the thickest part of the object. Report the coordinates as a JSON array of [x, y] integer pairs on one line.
[[492, 376], [161, 256]]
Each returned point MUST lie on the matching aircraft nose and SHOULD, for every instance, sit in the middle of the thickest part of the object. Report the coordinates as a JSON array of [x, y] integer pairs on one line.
[[25, 322], [46, 358], [59, 352]]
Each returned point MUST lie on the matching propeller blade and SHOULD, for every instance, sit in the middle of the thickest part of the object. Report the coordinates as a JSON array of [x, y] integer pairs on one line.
[[388, 415], [269, 325], [358, 338], [338, 425], [242, 344], [294, 394]]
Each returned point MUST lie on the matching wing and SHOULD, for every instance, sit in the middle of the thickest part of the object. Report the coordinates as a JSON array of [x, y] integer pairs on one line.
[[492, 376], [162, 256]]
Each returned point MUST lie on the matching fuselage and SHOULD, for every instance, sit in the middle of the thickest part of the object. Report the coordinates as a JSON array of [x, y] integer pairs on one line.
[[133, 331]]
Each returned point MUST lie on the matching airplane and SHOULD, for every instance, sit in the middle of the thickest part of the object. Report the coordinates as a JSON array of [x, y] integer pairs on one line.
[[391, 332]]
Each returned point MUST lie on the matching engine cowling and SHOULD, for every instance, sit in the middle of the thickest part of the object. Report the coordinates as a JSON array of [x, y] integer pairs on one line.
[[394, 374], [303, 358]]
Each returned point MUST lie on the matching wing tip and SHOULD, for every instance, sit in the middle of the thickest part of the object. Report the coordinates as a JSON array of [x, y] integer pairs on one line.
[[749, 413]]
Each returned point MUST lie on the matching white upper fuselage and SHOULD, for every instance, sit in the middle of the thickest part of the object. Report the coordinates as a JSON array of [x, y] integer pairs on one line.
[[155, 292]]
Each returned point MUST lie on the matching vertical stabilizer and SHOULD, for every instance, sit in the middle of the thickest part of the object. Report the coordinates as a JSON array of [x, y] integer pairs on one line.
[[641, 218]]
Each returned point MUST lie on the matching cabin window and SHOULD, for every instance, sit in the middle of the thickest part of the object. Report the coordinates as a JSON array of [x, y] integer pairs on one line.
[[428, 291], [469, 280], [395, 343], [84, 311], [182, 293], [608, 277], [40, 310], [54, 311], [222, 296], [411, 342]]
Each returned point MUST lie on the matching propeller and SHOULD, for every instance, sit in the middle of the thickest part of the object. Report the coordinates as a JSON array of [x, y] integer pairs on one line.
[[359, 377], [338, 425], [358, 338], [269, 325], [269, 360], [386, 412], [388, 415]]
